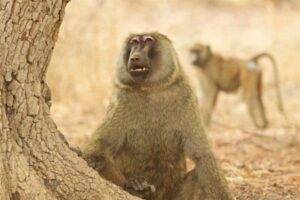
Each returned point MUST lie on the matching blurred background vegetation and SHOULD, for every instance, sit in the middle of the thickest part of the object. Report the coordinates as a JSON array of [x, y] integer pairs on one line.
[[80, 76], [93, 31]]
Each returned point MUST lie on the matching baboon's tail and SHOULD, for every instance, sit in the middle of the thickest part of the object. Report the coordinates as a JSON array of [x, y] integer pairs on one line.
[[255, 59]]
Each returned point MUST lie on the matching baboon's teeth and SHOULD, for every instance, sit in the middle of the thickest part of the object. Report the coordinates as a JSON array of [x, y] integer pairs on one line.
[[138, 69]]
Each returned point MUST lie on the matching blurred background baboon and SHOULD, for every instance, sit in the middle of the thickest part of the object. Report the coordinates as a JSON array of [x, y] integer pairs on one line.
[[151, 125], [230, 74], [258, 164]]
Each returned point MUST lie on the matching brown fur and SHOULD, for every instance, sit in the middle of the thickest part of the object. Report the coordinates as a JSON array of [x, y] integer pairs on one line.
[[150, 128], [229, 74]]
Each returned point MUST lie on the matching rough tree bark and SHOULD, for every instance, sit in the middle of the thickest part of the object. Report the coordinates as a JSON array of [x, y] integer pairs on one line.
[[35, 161]]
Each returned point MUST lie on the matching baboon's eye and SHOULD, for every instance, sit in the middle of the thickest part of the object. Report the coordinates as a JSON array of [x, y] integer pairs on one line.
[[148, 39], [134, 41]]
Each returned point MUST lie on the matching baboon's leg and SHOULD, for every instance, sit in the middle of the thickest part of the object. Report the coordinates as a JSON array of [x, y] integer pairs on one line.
[[210, 96], [252, 94], [189, 188]]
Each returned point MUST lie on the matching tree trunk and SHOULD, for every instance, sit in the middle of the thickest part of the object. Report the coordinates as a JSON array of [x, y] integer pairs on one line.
[[35, 161]]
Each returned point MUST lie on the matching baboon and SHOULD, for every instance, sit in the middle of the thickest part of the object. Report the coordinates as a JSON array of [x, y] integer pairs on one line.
[[229, 74], [152, 125]]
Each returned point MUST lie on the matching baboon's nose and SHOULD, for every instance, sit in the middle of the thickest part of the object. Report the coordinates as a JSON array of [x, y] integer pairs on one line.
[[135, 58]]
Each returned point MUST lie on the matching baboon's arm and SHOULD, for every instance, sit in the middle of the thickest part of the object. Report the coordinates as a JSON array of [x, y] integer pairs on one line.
[[105, 166], [99, 154], [209, 175]]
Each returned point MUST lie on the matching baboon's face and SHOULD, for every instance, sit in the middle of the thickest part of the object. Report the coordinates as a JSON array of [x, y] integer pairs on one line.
[[147, 59], [199, 54], [140, 52]]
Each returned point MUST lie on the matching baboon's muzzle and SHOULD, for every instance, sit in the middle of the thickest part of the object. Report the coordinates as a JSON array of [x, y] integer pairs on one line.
[[138, 66]]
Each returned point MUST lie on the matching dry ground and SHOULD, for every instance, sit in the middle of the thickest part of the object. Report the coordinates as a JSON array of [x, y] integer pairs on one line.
[[258, 164]]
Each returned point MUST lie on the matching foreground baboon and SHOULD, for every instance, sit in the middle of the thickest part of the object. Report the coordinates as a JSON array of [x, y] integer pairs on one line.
[[152, 125], [228, 74]]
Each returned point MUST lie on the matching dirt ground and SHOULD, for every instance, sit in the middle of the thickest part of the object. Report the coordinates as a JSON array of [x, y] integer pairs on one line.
[[259, 165]]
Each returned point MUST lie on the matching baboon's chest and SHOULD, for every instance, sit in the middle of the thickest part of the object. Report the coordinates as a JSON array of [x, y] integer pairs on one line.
[[152, 153], [153, 142], [148, 152], [153, 127]]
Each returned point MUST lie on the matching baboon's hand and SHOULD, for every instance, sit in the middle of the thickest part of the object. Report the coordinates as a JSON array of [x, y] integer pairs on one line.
[[139, 187]]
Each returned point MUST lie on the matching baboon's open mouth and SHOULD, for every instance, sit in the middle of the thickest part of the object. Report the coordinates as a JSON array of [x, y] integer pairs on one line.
[[139, 73], [138, 69]]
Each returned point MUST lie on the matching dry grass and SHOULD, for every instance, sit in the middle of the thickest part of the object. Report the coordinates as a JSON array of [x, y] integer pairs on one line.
[[259, 165]]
